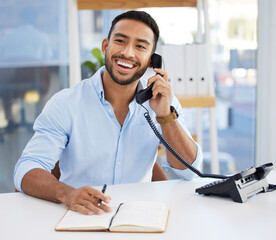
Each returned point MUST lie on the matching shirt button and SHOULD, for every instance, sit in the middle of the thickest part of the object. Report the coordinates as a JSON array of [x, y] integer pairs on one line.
[[110, 110], [118, 163]]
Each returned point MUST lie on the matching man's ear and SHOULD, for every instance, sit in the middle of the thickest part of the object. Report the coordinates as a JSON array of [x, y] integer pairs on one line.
[[104, 45]]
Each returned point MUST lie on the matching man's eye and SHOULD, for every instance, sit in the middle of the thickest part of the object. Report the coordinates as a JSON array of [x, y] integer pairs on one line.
[[119, 41], [141, 46]]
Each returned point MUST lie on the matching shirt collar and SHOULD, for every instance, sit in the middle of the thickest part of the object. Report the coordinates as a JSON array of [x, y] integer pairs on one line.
[[98, 83], [139, 87]]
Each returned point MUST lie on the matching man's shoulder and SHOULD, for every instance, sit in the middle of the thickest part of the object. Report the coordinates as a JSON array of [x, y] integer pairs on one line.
[[85, 90], [79, 89]]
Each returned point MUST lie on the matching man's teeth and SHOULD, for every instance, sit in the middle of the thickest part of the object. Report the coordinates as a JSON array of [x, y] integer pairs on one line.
[[125, 64]]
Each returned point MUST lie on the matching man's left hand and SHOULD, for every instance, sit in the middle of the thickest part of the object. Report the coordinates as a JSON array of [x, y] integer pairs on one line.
[[161, 93]]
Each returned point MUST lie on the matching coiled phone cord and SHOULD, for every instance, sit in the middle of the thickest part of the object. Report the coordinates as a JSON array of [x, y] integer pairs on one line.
[[179, 158]]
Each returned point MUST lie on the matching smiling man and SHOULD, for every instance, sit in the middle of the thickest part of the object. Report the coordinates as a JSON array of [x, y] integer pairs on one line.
[[97, 130]]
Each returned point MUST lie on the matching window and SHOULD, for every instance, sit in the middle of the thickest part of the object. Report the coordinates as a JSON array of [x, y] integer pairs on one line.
[[33, 66]]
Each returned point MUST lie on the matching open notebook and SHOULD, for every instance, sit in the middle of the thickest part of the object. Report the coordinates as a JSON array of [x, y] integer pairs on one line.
[[135, 216]]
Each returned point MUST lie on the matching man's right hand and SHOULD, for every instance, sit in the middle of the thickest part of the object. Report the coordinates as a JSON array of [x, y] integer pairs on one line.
[[85, 200], [42, 184]]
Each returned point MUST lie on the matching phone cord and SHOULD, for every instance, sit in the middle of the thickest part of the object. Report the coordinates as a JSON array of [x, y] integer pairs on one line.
[[166, 144]]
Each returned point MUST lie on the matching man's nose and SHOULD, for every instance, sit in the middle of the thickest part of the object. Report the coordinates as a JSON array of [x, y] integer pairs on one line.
[[128, 51]]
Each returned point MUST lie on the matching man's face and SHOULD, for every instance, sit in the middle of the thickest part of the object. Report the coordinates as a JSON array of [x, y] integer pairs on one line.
[[128, 52]]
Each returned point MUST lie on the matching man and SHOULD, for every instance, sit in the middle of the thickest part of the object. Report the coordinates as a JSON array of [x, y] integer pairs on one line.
[[97, 130]]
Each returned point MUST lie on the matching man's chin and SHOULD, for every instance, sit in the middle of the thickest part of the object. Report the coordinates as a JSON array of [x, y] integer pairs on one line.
[[124, 82], [124, 78], [123, 73]]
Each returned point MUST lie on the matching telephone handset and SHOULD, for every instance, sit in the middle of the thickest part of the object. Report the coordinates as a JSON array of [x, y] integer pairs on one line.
[[145, 94]]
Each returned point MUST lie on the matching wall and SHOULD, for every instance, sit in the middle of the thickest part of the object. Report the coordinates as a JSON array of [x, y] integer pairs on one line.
[[266, 90]]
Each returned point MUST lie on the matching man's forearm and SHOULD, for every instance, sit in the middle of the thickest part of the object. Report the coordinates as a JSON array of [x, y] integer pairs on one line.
[[180, 142], [42, 184], [157, 173]]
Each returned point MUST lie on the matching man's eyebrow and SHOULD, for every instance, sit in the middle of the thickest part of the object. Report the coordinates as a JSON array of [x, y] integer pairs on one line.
[[137, 39], [143, 41], [121, 35]]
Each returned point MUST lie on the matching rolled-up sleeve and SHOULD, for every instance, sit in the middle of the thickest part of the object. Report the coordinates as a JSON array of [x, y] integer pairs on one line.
[[45, 147]]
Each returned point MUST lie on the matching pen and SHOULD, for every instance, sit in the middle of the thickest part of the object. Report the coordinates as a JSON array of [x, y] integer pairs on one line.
[[103, 191]]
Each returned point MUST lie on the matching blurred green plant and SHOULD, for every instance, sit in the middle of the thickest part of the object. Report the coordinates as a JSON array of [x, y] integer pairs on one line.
[[94, 66]]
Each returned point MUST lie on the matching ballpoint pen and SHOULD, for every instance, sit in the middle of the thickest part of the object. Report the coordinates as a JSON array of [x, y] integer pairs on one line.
[[103, 191]]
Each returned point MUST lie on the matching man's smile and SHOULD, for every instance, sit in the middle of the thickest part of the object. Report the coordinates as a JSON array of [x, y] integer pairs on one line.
[[125, 65]]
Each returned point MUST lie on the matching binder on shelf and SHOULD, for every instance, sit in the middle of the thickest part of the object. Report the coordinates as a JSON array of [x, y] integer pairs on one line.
[[179, 70], [202, 73], [179, 81], [190, 73], [167, 55], [174, 57]]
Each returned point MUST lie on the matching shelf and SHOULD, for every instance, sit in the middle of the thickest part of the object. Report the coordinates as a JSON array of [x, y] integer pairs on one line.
[[197, 101], [132, 4]]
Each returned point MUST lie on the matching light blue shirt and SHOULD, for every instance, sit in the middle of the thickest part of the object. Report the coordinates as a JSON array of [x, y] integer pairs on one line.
[[78, 127]]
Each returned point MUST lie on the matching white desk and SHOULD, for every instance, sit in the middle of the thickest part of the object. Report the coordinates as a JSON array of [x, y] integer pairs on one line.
[[192, 216]]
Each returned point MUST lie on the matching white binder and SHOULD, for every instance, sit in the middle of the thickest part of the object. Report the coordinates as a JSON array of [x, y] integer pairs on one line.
[[179, 65], [202, 74], [167, 55], [190, 73], [174, 57]]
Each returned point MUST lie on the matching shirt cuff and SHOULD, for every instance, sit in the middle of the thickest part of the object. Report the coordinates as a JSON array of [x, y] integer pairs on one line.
[[186, 174], [20, 171]]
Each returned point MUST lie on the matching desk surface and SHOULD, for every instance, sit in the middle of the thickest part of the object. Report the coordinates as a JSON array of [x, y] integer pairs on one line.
[[192, 216]]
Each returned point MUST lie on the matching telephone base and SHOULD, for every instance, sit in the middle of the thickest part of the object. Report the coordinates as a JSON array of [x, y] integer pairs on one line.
[[241, 186]]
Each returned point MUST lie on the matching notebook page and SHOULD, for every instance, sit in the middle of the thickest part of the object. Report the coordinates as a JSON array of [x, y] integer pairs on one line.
[[77, 221], [145, 214]]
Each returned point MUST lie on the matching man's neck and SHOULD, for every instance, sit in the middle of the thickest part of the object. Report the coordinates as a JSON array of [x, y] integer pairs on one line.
[[118, 94]]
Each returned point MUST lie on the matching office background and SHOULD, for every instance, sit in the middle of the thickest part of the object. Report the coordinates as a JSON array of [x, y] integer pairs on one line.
[[34, 65]]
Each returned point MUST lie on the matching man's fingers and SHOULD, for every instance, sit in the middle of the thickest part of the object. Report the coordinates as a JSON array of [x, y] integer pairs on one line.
[[163, 73], [91, 206], [105, 208], [82, 209], [158, 78], [85, 200], [97, 194], [161, 88], [86, 207]]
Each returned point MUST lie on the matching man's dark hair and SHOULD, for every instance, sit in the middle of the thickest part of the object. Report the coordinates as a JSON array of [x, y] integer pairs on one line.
[[140, 16]]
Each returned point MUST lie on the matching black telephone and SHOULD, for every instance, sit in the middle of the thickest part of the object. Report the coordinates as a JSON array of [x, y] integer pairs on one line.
[[145, 94], [239, 187], [242, 185]]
